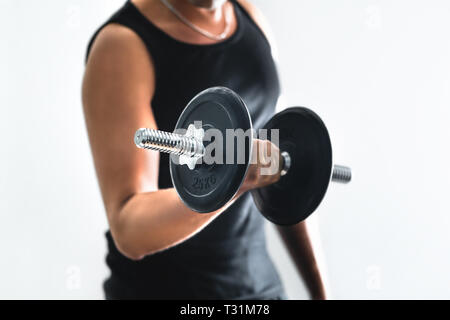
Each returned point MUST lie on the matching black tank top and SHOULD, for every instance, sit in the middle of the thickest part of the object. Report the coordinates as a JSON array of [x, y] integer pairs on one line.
[[228, 259]]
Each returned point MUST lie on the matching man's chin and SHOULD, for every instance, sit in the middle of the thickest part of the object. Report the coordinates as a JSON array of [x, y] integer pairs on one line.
[[208, 4]]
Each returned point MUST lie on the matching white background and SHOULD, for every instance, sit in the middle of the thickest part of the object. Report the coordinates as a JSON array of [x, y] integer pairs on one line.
[[378, 72]]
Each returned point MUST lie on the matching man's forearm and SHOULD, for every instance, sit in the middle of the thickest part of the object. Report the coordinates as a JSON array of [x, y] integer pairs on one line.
[[154, 221], [301, 249]]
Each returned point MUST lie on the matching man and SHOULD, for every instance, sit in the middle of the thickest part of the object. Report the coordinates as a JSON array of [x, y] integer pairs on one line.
[[145, 63]]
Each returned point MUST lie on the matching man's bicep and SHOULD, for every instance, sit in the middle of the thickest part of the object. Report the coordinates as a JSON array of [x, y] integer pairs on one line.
[[117, 90]]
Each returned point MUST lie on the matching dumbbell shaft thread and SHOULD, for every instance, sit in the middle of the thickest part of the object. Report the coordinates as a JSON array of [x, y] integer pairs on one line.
[[168, 142], [341, 174]]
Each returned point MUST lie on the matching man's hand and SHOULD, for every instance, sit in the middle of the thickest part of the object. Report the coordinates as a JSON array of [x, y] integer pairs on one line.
[[266, 165]]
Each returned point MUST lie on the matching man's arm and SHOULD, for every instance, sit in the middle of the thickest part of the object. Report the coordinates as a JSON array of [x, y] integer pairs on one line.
[[300, 246], [117, 89], [118, 86], [296, 238]]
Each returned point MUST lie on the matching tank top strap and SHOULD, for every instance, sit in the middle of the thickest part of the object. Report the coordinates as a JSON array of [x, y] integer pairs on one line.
[[129, 16]]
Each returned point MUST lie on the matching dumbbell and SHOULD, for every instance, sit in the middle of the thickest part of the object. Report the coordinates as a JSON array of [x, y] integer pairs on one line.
[[305, 148]]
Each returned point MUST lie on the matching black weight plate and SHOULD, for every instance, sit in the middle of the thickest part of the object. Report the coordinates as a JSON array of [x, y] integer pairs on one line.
[[297, 194], [209, 187]]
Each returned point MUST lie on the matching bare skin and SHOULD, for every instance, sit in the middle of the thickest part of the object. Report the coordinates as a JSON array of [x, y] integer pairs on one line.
[[117, 88]]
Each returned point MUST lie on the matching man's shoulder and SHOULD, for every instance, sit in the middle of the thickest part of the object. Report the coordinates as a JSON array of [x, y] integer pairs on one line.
[[115, 38]]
